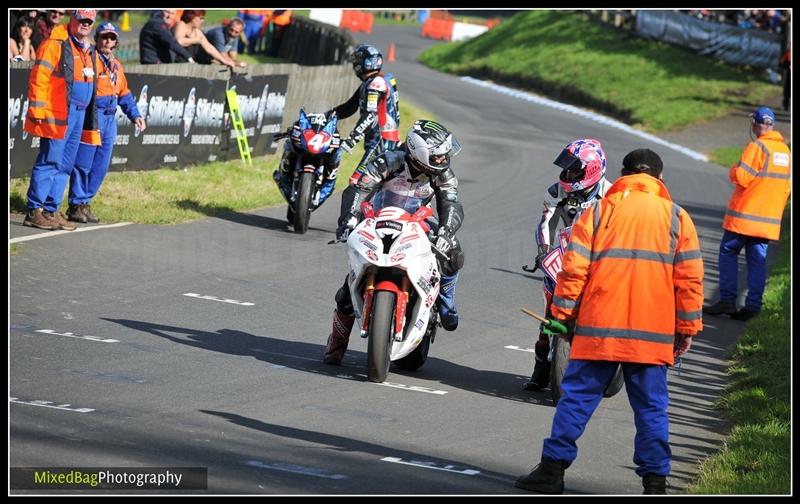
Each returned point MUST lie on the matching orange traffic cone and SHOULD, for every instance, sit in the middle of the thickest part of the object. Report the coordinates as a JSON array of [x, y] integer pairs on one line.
[[390, 58]]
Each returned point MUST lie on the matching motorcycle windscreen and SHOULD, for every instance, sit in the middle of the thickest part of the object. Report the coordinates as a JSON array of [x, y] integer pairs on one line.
[[385, 198]]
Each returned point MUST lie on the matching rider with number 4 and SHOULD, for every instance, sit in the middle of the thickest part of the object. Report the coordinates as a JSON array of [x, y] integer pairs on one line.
[[419, 169], [377, 100], [581, 182]]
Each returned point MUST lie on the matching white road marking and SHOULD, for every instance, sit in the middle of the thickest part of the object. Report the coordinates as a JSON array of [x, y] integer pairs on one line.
[[292, 468], [49, 404], [286, 355], [414, 388], [515, 347], [221, 300], [48, 234], [431, 465], [539, 100], [70, 335]]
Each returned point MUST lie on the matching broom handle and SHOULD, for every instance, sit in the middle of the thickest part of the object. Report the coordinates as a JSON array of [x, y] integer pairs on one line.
[[537, 317]]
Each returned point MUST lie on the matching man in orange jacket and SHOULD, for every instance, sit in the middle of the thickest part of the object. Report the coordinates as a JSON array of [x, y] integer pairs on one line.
[[632, 288], [62, 111], [762, 182]]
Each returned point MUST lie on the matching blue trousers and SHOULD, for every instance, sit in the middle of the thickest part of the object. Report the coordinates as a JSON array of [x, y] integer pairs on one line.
[[55, 162], [756, 255], [583, 385], [92, 162]]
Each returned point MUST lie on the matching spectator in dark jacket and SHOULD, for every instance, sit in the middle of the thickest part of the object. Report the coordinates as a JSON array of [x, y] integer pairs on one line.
[[157, 44]]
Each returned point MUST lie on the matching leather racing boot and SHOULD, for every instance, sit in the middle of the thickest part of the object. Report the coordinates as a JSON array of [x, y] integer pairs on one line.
[[339, 337]]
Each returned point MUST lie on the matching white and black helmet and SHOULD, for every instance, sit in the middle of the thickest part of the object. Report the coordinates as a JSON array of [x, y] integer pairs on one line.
[[426, 143]]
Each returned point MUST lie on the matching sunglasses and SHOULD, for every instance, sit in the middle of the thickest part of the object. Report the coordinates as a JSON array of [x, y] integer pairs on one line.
[[86, 22], [108, 36]]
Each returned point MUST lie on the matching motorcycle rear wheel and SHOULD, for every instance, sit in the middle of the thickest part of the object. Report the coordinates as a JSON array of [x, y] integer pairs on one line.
[[561, 352]]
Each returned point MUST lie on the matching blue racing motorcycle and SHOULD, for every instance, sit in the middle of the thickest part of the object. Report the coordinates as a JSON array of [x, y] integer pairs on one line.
[[309, 166]]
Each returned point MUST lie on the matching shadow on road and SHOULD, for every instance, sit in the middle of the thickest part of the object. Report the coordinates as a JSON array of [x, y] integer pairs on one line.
[[247, 219], [307, 357]]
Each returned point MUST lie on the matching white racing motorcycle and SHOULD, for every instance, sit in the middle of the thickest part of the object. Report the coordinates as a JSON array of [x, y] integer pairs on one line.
[[394, 282]]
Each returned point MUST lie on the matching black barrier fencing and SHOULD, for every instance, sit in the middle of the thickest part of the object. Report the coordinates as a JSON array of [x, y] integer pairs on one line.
[[726, 42], [309, 42], [187, 118]]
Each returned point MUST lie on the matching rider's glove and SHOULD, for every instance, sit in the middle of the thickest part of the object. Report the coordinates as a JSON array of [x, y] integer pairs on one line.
[[348, 144], [682, 344], [543, 250], [444, 241], [343, 231]]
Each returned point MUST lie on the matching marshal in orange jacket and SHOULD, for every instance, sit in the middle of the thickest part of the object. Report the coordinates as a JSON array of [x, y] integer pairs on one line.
[[633, 274], [762, 182], [49, 88]]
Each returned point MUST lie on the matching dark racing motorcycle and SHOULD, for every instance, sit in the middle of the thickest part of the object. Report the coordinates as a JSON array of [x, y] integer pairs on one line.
[[311, 157]]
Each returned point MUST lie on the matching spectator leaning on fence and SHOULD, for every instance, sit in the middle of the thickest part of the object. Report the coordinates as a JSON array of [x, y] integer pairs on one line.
[[762, 182], [20, 47], [62, 111], [225, 39], [157, 44], [91, 164], [189, 35]]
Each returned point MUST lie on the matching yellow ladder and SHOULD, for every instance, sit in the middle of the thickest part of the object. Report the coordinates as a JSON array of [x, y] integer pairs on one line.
[[238, 126]]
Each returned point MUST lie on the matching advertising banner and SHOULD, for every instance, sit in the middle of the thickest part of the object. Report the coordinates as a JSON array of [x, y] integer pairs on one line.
[[187, 118]]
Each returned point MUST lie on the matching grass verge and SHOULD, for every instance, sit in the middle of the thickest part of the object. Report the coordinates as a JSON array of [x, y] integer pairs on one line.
[[171, 196], [565, 55], [725, 156], [756, 458]]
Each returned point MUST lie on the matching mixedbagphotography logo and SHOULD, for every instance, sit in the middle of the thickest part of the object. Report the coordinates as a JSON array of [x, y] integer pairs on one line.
[[109, 478]]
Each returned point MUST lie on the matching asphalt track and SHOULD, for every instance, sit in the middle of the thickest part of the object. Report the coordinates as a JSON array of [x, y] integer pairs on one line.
[[239, 387]]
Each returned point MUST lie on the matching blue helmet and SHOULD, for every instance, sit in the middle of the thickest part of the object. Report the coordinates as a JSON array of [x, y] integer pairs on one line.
[[365, 59], [106, 27], [763, 115]]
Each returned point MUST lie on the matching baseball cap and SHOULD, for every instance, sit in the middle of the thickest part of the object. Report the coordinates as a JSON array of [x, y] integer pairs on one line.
[[107, 28], [80, 14], [764, 115], [636, 160]]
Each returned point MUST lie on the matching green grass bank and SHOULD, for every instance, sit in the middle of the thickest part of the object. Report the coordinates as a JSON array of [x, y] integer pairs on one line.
[[569, 57], [756, 456]]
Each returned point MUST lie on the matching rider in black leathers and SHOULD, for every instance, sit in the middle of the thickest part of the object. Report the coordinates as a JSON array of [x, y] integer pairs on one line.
[[420, 166], [377, 101]]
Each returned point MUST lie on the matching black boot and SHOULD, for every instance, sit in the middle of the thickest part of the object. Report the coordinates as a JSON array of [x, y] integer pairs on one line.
[[546, 478], [541, 367], [654, 484]]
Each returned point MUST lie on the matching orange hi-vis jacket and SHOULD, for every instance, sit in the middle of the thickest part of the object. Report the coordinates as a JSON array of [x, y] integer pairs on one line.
[[282, 18], [762, 182], [633, 274], [50, 88]]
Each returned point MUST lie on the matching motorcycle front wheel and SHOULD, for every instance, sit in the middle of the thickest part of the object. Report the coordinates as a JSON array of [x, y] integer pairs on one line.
[[381, 332], [302, 206]]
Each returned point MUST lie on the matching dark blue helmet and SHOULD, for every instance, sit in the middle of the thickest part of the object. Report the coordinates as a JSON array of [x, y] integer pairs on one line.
[[366, 59]]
